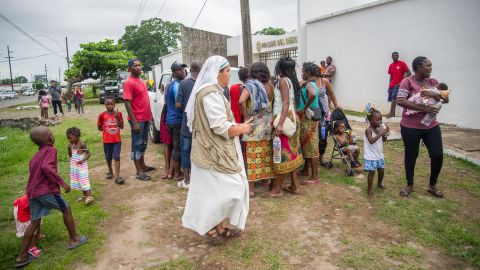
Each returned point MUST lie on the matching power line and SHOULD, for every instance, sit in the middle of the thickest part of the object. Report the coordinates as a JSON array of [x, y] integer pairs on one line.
[[29, 36], [138, 12], [199, 13], [161, 8], [141, 12], [28, 57]]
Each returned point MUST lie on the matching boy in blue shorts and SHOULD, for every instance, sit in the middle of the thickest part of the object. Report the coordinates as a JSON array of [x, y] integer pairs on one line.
[[43, 192]]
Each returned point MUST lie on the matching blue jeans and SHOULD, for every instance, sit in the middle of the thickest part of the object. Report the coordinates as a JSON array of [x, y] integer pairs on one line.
[[186, 149], [392, 93], [41, 206], [139, 141]]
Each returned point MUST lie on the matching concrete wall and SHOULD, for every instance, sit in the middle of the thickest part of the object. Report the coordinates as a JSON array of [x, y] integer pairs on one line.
[[361, 43], [199, 45]]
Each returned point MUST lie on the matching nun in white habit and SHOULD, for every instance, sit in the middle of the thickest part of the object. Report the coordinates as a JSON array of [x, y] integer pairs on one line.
[[218, 186]]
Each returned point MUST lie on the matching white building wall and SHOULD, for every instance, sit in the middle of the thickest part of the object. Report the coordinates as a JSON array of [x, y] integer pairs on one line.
[[361, 43]]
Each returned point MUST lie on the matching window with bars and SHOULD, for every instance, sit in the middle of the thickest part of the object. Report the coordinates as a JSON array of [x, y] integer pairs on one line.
[[278, 54]]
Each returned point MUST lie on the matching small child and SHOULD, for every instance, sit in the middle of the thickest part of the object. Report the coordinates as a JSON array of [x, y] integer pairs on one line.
[[79, 154], [43, 193], [68, 101], [110, 122], [21, 214], [373, 149], [44, 104], [345, 140]]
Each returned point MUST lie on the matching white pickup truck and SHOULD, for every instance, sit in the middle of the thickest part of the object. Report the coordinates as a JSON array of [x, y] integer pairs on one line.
[[157, 100]]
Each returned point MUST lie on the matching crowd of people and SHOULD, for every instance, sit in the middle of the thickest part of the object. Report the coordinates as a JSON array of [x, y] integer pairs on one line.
[[54, 97], [219, 143]]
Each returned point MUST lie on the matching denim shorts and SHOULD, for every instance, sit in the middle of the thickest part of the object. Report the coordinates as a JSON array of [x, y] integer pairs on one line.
[[392, 93], [112, 150], [373, 165], [186, 149], [139, 141], [41, 206]]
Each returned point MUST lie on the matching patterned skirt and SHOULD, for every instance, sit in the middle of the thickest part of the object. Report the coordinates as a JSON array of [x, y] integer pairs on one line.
[[309, 137], [259, 160], [291, 152], [165, 136], [79, 173]]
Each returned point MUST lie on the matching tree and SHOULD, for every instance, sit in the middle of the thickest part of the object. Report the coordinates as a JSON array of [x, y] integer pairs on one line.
[[20, 79], [102, 59], [270, 31], [152, 39]]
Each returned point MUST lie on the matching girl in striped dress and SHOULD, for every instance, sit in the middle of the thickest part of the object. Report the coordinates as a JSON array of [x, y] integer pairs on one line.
[[79, 154]]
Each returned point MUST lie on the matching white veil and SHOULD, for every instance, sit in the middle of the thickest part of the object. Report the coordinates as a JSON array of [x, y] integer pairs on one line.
[[207, 76]]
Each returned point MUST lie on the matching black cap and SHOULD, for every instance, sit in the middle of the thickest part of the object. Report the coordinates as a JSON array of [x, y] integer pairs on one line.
[[176, 65]]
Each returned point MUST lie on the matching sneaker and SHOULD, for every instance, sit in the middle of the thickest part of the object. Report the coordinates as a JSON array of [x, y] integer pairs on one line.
[[182, 184]]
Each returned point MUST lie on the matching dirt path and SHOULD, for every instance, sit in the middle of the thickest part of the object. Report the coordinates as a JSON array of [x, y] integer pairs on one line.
[[321, 229]]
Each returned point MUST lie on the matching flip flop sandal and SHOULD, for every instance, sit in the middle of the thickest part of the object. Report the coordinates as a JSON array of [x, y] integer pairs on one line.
[[216, 239], [164, 176], [108, 176], [291, 190], [435, 193], [34, 251], [25, 262], [272, 195], [89, 200], [81, 199], [310, 182], [83, 240], [405, 193], [149, 168], [143, 177], [119, 181], [231, 233]]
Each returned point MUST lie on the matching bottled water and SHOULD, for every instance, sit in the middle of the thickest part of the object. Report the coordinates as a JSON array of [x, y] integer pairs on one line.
[[277, 150], [383, 126]]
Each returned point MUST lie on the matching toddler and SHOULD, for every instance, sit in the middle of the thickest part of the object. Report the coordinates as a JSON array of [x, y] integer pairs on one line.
[[21, 214], [79, 154], [345, 140], [44, 104], [375, 136]]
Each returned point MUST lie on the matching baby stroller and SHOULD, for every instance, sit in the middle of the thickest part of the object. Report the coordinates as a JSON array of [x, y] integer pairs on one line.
[[337, 153]]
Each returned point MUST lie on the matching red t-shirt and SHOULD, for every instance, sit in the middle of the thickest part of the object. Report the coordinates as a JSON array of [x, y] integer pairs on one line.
[[134, 89], [110, 127], [23, 207], [397, 71], [234, 98], [408, 87]]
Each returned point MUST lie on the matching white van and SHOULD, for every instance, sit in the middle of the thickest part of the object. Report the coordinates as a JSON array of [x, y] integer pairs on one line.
[[157, 99]]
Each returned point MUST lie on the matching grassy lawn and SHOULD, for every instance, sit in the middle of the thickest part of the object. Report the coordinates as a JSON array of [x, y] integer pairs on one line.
[[355, 113], [15, 154]]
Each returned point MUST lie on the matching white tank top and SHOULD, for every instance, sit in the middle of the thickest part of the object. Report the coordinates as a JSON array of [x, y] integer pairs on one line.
[[372, 151], [277, 99]]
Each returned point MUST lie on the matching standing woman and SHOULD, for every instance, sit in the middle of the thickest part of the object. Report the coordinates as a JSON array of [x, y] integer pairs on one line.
[[285, 92], [256, 103], [308, 99], [79, 99], [218, 185], [412, 128]]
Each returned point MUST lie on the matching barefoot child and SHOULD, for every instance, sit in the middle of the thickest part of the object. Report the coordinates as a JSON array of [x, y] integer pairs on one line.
[[78, 153], [110, 122], [375, 136], [43, 193], [345, 141], [44, 104]]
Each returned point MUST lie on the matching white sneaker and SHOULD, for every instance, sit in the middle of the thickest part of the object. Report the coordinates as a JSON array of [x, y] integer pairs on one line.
[[182, 184]]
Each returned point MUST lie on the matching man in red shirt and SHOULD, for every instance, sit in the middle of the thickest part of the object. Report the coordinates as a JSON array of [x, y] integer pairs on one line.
[[235, 92], [43, 192], [397, 71], [137, 103]]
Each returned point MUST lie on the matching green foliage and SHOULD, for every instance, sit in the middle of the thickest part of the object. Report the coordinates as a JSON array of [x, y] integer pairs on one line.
[[19, 79], [270, 31], [151, 39], [104, 58], [38, 86]]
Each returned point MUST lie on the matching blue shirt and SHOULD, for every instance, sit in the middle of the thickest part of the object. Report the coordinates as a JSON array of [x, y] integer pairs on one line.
[[184, 91], [174, 115]]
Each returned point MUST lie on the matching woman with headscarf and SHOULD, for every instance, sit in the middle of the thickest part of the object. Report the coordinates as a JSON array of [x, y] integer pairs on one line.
[[218, 185], [256, 103]]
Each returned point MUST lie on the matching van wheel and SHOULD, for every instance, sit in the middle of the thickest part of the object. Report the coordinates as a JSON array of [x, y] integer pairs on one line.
[[154, 133]]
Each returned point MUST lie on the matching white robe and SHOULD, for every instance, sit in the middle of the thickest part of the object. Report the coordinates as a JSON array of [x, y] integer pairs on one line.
[[214, 196]]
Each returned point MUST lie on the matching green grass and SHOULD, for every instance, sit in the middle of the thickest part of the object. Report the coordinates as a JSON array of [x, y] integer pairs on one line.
[[181, 263], [15, 154], [355, 113]]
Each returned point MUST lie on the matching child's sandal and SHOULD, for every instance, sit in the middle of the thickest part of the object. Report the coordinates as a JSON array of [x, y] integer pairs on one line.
[[81, 199], [89, 200]]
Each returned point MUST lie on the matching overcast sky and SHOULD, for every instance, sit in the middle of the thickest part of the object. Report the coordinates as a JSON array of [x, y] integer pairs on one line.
[[49, 21]]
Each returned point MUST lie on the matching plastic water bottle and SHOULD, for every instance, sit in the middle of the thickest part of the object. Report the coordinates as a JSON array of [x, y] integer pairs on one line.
[[429, 117], [383, 126], [277, 150]]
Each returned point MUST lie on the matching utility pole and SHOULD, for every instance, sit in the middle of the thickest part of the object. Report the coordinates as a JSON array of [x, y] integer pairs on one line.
[[246, 33], [59, 75], [10, 65], [46, 76], [68, 56]]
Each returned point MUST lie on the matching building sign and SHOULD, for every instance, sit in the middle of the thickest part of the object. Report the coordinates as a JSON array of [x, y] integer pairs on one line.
[[277, 43]]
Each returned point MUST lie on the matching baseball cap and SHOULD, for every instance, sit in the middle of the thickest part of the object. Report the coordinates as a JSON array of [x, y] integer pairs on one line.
[[176, 65]]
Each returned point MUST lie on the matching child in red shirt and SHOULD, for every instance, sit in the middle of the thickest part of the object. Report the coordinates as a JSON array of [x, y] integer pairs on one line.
[[110, 122], [21, 214]]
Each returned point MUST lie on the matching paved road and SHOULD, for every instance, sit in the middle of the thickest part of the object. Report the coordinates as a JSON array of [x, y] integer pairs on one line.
[[21, 100]]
